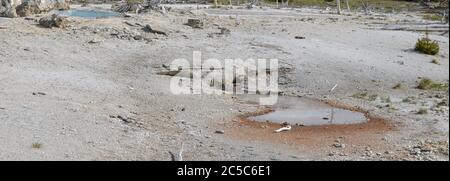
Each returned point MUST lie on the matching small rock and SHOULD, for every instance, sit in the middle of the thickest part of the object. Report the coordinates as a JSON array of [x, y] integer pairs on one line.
[[149, 29], [220, 132], [369, 153], [339, 145], [123, 119], [39, 94], [54, 21], [129, 23], [195, 23], [166, 66], [415, 151], [300, 37], [224, 31], [94, 41], [138, 37]]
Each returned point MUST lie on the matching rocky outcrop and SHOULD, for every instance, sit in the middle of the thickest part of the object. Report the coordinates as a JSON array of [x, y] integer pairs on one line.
[[136, 6], [7, 8], [54, 21], [15, 8]]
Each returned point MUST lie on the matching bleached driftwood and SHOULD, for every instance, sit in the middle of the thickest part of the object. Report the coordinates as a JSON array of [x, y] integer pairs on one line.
[[334, 87], [178, 157], [366, 7], [418, 27], [286, 128], [338, 2], [348, 6], [180, 154]]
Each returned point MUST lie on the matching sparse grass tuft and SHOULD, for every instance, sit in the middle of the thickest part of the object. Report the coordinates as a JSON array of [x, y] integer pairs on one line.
[[36, 145], [373, 97], [422, 111], [134, 1], [425, 84], [427, 46], [432, 17], [382, 5], [365, 96], [387, 99], [361, 95], [428, 84], [435, 61], [397, 86], [442, 103], [409, 100]]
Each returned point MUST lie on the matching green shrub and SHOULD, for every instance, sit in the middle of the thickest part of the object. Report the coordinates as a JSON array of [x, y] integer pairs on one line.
[[427, 46], [397, 86], [428, 84], [432, 17], [435, 61], [36, 145], [422, 111], [134, 1]]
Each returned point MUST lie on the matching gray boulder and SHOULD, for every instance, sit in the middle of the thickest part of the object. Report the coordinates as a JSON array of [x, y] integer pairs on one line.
[[21, 8], [54, 21], [7, 8]]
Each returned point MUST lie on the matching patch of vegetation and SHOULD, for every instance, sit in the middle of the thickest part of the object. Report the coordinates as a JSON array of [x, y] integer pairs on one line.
[[442, 103], [360, 95], [392, 109], [134, 1], [427, 46], [432, 17], [386, 99], [382, 5], [36, 145], [435, 61], [422, 111], [365, 96], [410, 100], [397, 86], [407, 100], [372, 97], [428, 84]]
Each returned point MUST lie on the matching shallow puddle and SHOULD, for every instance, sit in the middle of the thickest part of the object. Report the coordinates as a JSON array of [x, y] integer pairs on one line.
[[308, 112], [87, 13]]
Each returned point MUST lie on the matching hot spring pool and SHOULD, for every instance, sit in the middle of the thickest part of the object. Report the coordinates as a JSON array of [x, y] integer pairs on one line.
[[87, 13]]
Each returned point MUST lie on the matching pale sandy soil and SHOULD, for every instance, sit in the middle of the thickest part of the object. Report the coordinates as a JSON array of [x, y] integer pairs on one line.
[[87, 85]]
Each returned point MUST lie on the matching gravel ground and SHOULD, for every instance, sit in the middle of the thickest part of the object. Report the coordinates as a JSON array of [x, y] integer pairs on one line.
[[92, 91]]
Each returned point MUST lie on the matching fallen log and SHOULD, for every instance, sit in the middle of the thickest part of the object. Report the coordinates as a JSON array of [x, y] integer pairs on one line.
[[429, 28], [286, 128], [149, 29]]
